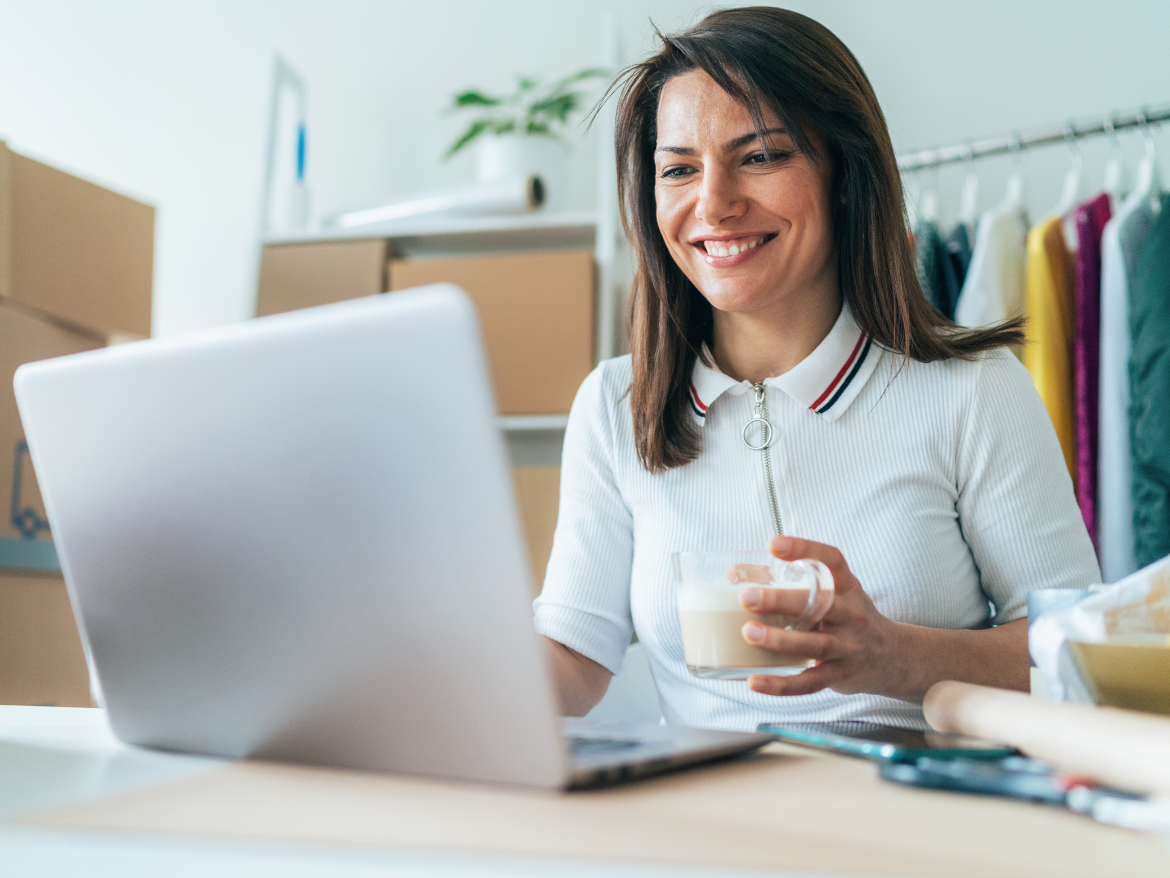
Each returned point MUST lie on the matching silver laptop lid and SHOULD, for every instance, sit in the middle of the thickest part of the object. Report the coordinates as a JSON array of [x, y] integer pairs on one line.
[[295, 538]]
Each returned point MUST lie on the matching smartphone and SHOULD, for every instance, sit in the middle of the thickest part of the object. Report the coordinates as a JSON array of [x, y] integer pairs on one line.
[[885, 743], [1013, 778]]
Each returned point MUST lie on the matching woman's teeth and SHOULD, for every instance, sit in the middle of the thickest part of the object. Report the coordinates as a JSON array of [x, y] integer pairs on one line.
[[720, 248]]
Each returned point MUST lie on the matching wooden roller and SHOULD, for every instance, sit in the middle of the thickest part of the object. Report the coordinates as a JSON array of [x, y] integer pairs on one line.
[[1122, 748]]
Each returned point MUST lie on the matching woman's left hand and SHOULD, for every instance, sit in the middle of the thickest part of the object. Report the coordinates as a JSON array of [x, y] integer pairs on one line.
[[856, 648]]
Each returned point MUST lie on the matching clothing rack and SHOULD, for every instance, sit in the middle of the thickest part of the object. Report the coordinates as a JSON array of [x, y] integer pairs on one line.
[[963, 152]]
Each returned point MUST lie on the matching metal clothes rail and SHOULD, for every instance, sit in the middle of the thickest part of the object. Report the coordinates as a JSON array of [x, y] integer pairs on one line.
[[932, 158]]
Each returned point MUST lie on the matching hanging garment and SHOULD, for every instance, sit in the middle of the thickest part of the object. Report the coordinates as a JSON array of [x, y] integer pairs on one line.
[[928, 250], [958, 246], [955, 255], [1091, 218], [1048, 302], [993, 289], [1149, 405], [1120, 244]]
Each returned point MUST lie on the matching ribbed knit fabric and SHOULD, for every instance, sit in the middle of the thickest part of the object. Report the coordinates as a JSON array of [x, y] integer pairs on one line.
[[943, 484]]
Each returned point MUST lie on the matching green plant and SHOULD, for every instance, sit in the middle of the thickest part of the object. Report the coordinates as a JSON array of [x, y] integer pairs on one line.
[[533, 108]]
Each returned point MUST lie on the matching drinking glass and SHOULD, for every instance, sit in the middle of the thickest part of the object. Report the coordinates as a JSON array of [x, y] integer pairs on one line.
[[708, 586]]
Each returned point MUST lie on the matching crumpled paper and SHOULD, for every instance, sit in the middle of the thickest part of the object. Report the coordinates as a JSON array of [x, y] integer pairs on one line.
[[1135, 610]]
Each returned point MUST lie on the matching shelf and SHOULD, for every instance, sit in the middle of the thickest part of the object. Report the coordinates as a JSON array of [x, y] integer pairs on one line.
[[533, 423], [439, 235]]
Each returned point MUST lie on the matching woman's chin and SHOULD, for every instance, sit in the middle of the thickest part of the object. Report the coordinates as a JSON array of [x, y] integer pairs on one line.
[[734, 299]]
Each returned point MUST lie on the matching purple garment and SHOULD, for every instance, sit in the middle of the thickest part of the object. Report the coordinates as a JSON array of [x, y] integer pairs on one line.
[[1091, 218]]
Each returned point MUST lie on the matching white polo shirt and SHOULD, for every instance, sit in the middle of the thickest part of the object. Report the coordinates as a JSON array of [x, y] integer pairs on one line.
[[943, 485]]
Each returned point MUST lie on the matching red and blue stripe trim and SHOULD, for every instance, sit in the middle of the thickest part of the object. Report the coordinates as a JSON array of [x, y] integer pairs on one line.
[[697, 405], [844, 377]]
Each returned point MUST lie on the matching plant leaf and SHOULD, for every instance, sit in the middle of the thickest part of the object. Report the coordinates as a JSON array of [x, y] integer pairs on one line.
[[557, 106], [590, 73], [475, 99], [478, 127]]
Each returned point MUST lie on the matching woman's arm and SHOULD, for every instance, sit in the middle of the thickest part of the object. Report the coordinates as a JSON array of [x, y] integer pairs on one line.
[[583, 611], [857, 649], [580, 682]]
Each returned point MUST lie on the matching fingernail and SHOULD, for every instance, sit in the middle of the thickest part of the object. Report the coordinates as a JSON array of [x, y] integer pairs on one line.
[[781, 545], [751, 597], [754, 632]]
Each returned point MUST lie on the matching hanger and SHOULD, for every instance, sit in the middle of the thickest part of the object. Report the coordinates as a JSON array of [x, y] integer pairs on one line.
[[1116, 183], [928, 203], [1149, 182], [1014, 199], [911, 187], [969, 196], [1070, 192]]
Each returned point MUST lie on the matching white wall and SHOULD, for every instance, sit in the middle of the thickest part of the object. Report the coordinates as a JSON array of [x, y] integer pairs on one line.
[[168, 101]]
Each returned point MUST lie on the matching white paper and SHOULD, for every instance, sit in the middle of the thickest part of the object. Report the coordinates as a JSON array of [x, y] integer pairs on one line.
[[1135, 610], [511, 195]]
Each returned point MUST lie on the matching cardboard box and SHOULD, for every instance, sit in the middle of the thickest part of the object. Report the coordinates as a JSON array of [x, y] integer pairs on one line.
[[25, 336], [538, 494], [296, 276], [41, 657], [74, 250], [1130, 675], [537, 315]]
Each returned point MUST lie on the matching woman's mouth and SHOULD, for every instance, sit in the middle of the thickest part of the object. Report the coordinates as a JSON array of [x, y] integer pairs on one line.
[[727, 252]]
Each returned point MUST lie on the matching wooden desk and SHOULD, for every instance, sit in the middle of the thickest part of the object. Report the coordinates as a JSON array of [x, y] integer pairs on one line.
[[782, 810]]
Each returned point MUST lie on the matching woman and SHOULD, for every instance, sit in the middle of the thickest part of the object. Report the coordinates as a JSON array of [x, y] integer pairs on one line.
[[775, 277]]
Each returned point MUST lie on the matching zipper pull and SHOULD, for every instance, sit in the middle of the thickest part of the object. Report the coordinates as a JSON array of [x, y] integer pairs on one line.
[[760, 418]]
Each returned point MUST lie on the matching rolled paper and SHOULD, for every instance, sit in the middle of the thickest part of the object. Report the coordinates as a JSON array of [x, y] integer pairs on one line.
[[1122, 748], [510, 195]]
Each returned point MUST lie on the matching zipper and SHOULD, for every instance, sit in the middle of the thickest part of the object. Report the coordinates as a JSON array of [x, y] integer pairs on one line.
[[761, 418]]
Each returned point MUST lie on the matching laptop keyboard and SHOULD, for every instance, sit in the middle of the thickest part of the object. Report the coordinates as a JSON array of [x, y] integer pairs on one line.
[[590, 746]]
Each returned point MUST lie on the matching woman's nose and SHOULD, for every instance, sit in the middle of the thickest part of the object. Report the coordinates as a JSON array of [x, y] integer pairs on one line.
[[719, 199]]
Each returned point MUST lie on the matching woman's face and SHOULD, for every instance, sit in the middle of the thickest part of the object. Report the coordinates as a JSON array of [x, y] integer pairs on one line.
[[747, 221]]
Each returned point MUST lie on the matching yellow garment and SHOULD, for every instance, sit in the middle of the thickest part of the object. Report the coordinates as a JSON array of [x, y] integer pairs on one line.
[[1048, 303]]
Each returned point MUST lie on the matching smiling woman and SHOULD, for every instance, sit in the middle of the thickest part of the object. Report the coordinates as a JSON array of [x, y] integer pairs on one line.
[[788, 376]]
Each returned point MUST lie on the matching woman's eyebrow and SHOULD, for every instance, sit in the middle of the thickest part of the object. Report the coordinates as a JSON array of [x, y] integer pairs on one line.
[[742, 140], [745, 139]]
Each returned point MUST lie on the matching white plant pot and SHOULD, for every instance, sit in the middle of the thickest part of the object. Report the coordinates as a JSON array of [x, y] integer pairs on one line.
[[514, 155]]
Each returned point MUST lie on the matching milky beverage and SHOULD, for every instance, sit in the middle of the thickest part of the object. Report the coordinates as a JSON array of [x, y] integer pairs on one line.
[[712, 619]]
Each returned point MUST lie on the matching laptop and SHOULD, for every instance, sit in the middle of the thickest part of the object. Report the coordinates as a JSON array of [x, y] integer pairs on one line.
[[295, 539]]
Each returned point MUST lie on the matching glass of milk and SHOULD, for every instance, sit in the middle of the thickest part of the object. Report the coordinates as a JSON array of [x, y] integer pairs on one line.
[[708, 586]]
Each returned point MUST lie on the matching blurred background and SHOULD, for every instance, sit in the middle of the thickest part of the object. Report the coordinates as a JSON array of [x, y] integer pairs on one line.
[[169, 102]]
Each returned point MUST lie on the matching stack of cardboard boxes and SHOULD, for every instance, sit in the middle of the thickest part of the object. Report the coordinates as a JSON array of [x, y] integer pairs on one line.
[[536, 310], [76, 265]]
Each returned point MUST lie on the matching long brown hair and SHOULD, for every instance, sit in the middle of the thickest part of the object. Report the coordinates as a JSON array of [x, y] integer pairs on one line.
[[796, 68]]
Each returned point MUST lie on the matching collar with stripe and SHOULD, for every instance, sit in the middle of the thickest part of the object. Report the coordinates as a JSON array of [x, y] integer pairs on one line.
[[826, 381]]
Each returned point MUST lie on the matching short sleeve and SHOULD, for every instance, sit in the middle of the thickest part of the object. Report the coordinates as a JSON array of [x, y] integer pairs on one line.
[[585, 602], [1015, 502]]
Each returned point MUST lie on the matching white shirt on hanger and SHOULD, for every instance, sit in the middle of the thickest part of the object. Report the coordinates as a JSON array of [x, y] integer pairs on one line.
[[994, 287], [1122, 239], [942, 483]]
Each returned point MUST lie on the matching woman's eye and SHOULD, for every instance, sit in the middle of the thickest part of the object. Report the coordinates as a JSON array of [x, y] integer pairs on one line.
[[675, 172], [767, 158]]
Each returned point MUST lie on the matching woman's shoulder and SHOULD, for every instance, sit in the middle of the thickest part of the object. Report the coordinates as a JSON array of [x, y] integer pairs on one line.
[[993, 382], [616, 372], [997, 367], [608, 384], [604, 393]]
